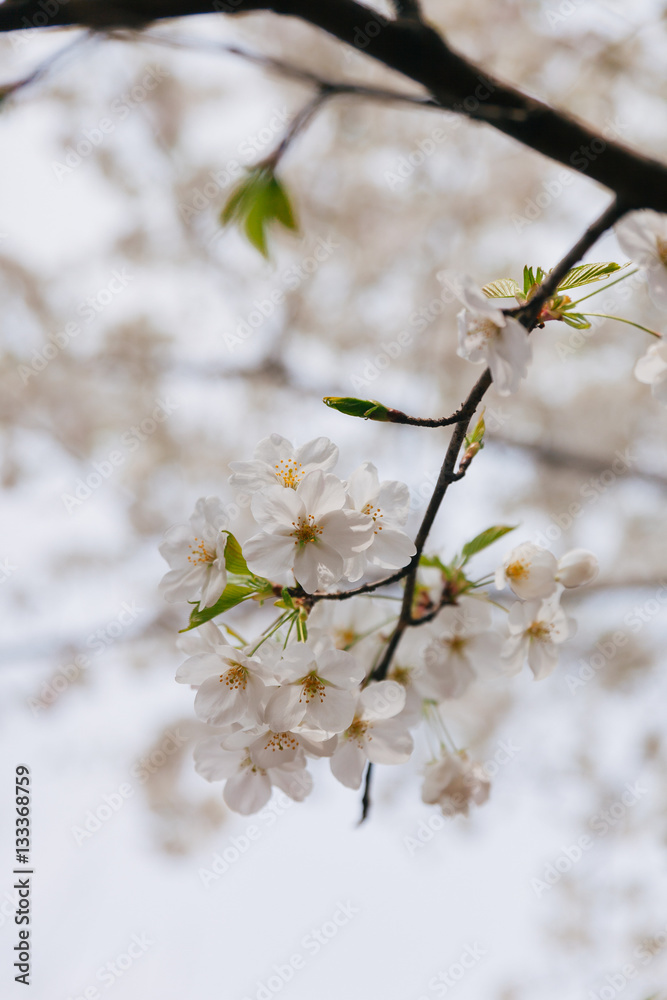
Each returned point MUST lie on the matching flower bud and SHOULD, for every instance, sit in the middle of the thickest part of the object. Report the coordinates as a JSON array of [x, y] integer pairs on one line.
[[577, 568]]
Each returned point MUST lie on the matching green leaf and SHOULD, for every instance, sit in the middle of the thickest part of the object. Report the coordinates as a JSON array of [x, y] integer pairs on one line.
[[584, 274], [257, 201], [433, 562], [577, 320], [234, 560], [369, 409], [232, 595], [280, 204], [504, 288], [301, 628], [476, 436], [486, 538]]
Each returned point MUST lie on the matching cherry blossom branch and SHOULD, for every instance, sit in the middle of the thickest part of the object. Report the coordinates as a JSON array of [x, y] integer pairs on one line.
[[417, 51], [337, 88], [528, 314], [407, 8]]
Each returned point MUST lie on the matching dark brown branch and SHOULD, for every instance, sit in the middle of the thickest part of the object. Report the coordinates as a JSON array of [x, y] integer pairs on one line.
[[418, 52], [366, 798], [407, 8]]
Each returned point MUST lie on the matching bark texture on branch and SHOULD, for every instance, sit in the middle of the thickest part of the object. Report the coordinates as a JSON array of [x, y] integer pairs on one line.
[[413, 49]]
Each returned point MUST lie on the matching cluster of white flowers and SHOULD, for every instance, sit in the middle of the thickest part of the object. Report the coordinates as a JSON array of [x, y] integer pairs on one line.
[[489, 336], [310, 691]]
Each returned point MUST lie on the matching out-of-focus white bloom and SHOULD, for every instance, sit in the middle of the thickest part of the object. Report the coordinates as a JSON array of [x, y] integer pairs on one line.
[[248, 786], [204, 646], [374, 735], [464, 646], [318, 688], [306, 530], [453, 782], [652, 370], [274, 749], [577, 568], [529, 570], [234, 689], [387, 503], [196, 554], [488, 336], [643, 237], [536, 629], [277, 462], [355, 624]]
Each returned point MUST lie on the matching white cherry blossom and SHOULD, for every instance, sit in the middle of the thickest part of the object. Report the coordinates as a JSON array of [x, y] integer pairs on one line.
[[530, 572], [388, 504], [318, 689], [488, 336], [248, 786], [203, 646], [651, 369], [453, 782], [463, 647], [306, 530], [274, 749], [536, 630], [643, 237], [375, 734], [278, 463], [234, 689], [196, 554], [577, 568]]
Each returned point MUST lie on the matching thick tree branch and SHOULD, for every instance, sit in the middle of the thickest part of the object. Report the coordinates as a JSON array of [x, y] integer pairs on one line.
[[414, 49]]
